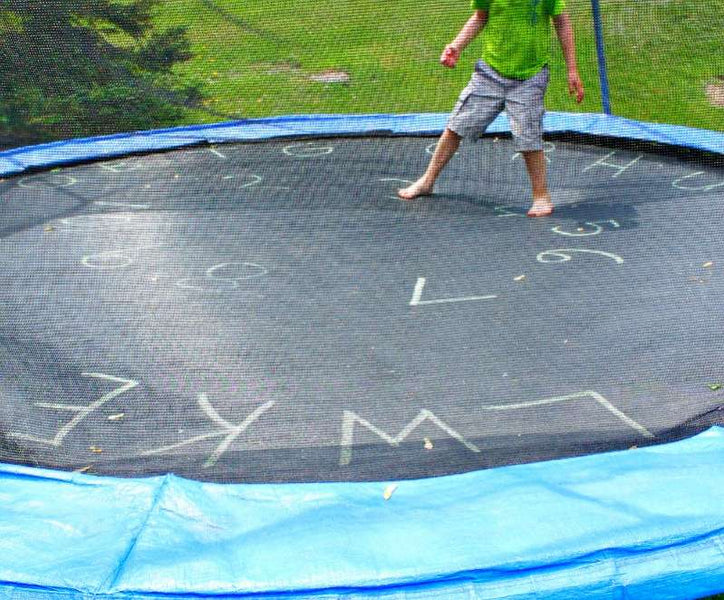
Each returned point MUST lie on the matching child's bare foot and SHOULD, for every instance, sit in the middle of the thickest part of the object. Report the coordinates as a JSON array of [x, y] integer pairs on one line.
[[542, 207], [420, 188]]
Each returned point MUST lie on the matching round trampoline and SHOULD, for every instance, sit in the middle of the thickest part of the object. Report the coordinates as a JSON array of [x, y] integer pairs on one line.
[[250, 303], [270, 311]]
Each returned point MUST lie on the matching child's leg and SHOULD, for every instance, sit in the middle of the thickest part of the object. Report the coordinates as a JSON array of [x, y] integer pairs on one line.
[[446, 147], [478, 104], [524, 105], [535, 163]]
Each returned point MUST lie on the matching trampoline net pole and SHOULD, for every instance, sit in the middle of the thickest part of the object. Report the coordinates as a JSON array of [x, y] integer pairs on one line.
[[601, 54]]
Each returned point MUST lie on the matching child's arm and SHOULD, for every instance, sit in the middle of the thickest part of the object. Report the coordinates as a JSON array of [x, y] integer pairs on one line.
[[467, 34], [564, 29]]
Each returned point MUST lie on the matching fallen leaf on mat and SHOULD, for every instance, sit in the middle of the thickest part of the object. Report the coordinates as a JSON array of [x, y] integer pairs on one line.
[[389, 490]]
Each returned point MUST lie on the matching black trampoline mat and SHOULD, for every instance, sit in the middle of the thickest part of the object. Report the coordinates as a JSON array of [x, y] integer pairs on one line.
[[272, 312]]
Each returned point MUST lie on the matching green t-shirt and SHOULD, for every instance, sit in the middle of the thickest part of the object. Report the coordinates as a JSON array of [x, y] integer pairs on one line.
[[517, 36]]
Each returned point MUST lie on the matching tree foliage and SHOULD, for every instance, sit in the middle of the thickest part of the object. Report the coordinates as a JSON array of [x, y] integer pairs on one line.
[[86, 67]]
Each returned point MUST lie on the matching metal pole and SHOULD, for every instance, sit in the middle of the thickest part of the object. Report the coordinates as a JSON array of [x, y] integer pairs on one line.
[[602, 72]]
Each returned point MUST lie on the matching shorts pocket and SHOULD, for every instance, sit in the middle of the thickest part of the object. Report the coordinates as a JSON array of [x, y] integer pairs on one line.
[[463, 99]]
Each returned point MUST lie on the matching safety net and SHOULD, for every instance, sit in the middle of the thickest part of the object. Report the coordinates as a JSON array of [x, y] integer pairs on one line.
[[235, 359]]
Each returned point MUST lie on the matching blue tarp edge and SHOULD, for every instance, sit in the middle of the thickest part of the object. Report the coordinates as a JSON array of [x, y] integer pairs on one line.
[[645, 523], [60, 153]]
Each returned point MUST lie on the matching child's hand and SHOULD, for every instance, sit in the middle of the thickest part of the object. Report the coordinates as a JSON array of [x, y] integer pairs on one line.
[[450, 56], [575, 86]]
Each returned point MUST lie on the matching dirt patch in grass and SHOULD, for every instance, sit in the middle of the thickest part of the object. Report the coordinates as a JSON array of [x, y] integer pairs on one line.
[[715, 91], [294, 69], [331, 76], [282, 68]]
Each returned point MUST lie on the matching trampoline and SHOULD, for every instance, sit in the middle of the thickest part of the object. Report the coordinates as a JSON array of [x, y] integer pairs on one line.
[[251, 303], [272, 312]]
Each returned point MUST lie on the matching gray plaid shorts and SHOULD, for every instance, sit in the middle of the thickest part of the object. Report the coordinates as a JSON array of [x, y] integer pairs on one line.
[[489, 93]]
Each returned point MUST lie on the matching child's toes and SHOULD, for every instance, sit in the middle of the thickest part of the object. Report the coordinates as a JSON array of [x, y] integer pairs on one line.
[[541, 208]]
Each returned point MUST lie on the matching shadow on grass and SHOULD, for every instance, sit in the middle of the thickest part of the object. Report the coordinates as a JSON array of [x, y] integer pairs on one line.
[[240, 23]]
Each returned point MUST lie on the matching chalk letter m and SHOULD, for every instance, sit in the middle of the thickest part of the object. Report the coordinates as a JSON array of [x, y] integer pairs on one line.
[[350, 419]]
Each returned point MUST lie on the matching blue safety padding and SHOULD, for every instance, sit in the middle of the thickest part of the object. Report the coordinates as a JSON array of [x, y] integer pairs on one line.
[[81, 150], [639, 524]]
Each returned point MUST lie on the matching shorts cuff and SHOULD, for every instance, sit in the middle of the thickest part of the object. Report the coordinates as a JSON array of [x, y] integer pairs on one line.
[[462, 132], [528, 148]]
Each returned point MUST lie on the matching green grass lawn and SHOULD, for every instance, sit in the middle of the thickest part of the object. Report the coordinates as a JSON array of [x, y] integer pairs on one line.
[[254, 58]]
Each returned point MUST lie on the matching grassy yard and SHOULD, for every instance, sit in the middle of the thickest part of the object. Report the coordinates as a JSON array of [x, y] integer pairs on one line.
[[254, 58]]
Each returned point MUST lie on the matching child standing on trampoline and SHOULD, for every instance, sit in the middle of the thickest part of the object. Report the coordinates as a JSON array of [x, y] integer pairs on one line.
[[513, 76]]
